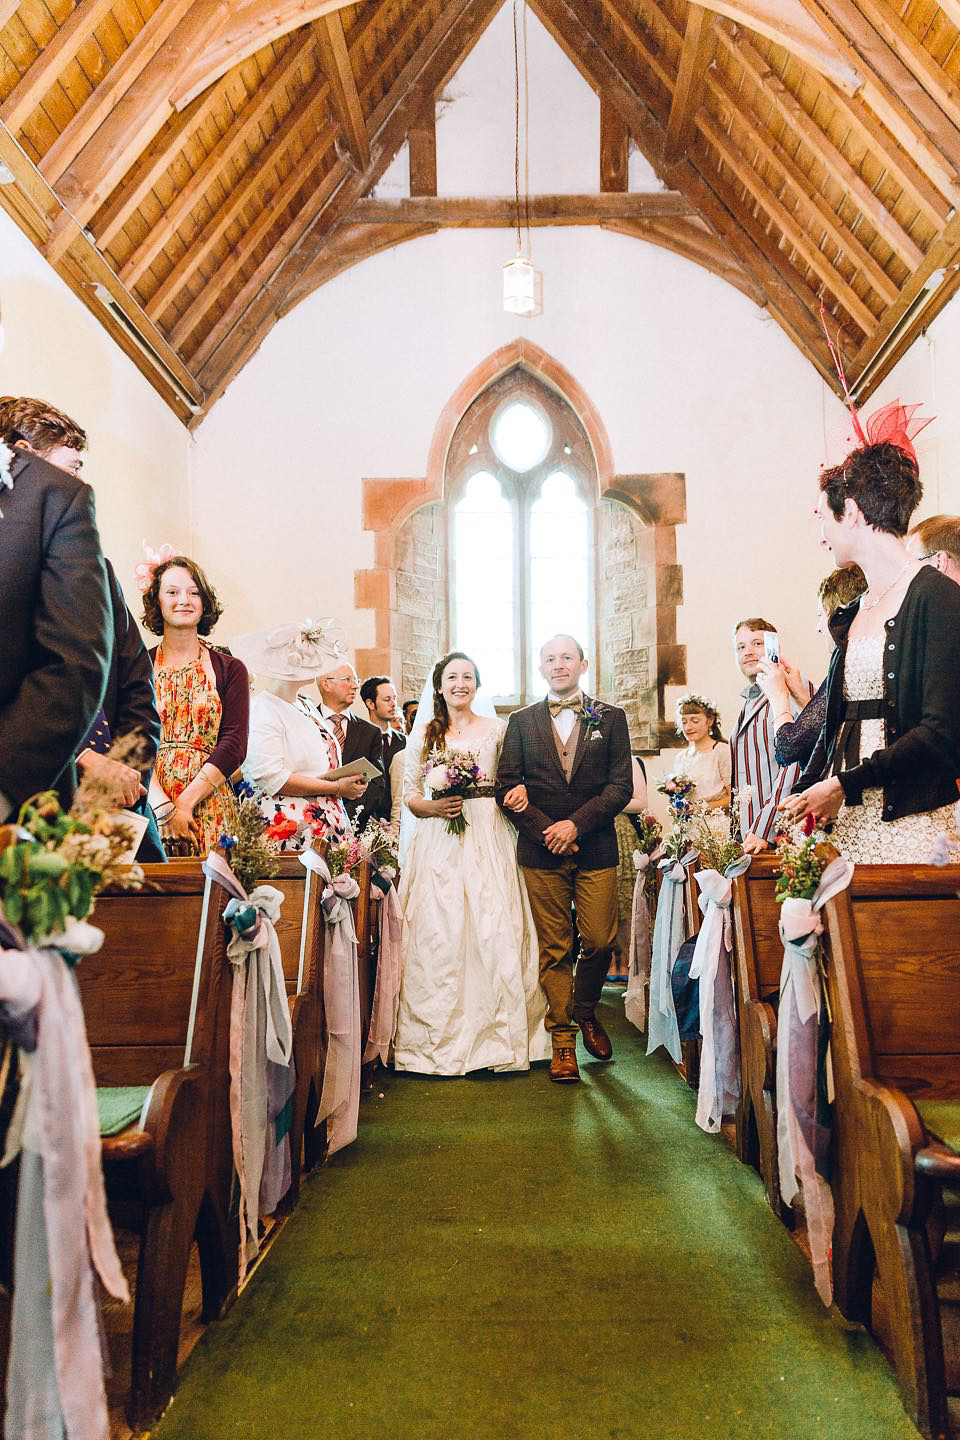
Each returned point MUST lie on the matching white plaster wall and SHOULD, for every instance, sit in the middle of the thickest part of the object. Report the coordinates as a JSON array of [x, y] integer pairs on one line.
[[139, 454], [686, 373]]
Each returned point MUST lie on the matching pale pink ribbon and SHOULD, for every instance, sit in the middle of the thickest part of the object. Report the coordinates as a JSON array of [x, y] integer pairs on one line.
[[258, 987], [800, 1002], [719, 1088], [386, 990], [638, 978], [63, 1120], [340, 1097]]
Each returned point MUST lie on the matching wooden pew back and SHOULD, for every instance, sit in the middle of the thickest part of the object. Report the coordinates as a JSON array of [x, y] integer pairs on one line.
[[756, 918], [897, 933], [300, 926], [149, 950]]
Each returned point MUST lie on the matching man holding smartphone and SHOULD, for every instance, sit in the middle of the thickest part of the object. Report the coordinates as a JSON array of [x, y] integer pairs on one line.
[[761, 783]]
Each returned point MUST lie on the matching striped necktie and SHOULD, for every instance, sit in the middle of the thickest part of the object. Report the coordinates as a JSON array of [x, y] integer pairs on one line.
[[339, 728]]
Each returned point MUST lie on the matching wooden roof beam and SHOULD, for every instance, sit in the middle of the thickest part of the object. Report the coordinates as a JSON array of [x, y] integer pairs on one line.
[[254, 236], [614, 149], [249, 26], [892, 91], [128, 128], [253, 180], [783, 292], [422, 143], [156, 160], [738, 162], [242, 132], [899, 37], [688, 91], [342, 89], [786, 23], [789, 107], [50, 63], [255, 309], [500, 212], [143, 49], [809, 199], [901, 165], [350, 245]]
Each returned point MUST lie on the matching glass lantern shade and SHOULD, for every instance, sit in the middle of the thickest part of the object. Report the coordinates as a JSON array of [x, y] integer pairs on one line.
[[522, 288]]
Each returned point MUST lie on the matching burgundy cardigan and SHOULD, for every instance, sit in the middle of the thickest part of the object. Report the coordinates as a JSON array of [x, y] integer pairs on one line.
[[233, 687]]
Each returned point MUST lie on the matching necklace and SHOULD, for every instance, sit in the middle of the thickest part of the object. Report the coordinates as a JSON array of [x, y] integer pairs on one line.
[[875, 601]]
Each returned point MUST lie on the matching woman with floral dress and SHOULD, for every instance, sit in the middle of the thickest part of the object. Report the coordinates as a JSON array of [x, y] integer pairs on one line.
[[203, 701], [290, 749]]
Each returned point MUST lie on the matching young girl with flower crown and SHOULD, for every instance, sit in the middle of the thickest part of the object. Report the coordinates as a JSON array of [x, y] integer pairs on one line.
[[706, 760]]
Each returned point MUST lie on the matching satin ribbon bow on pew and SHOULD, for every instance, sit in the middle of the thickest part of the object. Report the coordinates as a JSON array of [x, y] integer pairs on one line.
[[386, 988], [662, 1027], [261, 1051], [340, 1096], [799, 1138], [63, 1236], [634, 996], [719, 1088]]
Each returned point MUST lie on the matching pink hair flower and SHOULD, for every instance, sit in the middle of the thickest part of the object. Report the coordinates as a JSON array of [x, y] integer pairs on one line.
[[145, 571]]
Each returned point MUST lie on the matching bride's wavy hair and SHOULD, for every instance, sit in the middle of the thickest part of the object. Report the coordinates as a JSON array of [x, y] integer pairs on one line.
[[439, 725]]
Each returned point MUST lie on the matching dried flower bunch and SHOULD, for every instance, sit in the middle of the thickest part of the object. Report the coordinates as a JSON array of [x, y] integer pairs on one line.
[[53, 864], [249, 851], [379, 842], [714, 834], [649, 833]]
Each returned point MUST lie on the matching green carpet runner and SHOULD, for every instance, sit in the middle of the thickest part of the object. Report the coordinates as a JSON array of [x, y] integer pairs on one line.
[[499, 1258]]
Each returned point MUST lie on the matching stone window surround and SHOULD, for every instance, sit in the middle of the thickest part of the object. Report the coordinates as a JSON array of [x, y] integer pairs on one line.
[[658, 499]]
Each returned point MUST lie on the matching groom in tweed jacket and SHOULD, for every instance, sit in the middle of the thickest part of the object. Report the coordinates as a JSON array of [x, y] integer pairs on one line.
[[564, 774]]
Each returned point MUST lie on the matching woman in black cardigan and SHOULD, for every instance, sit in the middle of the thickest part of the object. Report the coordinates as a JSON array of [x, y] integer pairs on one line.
[[886, 764]]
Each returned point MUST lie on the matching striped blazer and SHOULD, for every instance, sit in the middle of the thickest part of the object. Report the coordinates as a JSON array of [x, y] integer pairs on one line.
[[761, 782]]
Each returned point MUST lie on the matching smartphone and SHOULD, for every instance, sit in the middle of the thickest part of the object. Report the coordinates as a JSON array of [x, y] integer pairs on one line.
[[771, 647]]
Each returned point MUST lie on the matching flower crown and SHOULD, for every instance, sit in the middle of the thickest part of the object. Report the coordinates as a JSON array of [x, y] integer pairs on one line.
[[700, 702], [145, 571]]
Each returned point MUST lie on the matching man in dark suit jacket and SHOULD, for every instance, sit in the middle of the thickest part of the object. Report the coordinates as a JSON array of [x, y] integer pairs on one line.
[[357, 738], [564, 774], [55, 630], [379, 695]]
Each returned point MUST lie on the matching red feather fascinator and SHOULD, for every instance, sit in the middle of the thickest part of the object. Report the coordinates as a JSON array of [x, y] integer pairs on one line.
[[893, 424]]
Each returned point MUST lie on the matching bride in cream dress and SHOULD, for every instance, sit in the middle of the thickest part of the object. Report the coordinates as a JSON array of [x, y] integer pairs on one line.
[[470, 997]]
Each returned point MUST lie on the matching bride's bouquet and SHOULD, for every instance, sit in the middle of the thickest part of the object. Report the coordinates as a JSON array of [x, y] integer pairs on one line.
[[451, 772]]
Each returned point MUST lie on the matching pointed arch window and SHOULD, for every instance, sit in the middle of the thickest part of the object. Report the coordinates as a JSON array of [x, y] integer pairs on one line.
[[522, 488]]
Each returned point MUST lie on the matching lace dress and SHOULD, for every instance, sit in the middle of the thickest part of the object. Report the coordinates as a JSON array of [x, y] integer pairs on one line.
[[859, 832], [470, 997]]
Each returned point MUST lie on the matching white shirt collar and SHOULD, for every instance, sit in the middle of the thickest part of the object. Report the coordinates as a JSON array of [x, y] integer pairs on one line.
[[328, 714]]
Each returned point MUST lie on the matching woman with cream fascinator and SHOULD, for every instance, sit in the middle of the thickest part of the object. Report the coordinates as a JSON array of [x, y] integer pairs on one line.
[[289, 752]]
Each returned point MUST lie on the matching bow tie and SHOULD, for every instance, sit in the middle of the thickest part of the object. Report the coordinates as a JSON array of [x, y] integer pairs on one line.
[[573, 702]]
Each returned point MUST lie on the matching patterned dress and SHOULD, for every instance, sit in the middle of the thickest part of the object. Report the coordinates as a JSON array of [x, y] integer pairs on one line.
[[190, 712], [860, 833]]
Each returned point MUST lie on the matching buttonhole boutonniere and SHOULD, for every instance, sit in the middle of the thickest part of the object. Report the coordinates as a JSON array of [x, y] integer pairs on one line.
[[6, 461], [591, 714]]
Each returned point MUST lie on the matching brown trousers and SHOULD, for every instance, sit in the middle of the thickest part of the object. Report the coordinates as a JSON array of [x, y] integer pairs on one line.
[[553, 896]]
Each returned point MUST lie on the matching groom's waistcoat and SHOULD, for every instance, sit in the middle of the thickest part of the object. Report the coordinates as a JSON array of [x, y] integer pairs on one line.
[[587, 779]]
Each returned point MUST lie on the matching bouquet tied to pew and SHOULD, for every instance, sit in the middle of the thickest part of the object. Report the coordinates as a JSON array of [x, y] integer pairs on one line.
[[250, 850], [715, 834], [55, 862], [379, 842]]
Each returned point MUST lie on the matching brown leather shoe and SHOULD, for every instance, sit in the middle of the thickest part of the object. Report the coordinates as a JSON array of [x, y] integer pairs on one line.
[[563, 1066], [596, 1040]]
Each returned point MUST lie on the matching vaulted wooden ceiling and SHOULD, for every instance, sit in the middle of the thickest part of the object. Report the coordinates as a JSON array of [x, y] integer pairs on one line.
[[195, 168]]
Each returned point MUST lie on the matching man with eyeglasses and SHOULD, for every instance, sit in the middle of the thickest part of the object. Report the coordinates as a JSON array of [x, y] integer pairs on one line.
[[936, 541]]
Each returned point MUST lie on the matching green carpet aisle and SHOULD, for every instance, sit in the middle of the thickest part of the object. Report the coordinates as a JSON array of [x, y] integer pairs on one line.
[[499, 1258]]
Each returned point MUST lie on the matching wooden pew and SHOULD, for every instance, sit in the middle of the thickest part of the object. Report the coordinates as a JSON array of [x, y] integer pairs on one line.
[[893, 973], [168, 1175], [759, 959]]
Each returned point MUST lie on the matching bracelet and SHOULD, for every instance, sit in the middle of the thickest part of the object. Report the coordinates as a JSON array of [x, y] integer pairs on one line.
[[167, 809]]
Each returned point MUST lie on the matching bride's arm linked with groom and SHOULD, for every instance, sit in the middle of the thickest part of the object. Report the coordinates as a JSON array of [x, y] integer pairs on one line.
[[585, 790]]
